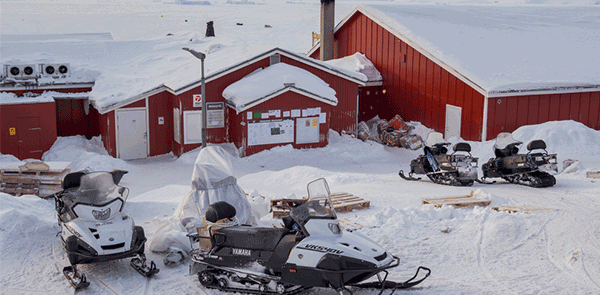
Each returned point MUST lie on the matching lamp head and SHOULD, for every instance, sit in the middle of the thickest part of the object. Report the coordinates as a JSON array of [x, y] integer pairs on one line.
[[198, 55]]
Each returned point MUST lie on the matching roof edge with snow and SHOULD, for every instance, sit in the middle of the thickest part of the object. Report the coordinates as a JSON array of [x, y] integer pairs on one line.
[[293, 88], [355, 77]]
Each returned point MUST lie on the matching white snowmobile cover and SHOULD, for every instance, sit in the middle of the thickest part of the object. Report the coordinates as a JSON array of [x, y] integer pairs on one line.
[[212, 181]]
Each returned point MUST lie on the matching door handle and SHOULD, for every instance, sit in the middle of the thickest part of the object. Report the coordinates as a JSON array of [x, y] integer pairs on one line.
[[145, 135]]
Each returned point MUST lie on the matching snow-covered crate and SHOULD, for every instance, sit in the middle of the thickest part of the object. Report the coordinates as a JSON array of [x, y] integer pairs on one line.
[[36, 178]]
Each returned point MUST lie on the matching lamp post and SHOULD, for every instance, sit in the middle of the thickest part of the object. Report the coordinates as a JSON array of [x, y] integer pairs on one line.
[[201, 56]]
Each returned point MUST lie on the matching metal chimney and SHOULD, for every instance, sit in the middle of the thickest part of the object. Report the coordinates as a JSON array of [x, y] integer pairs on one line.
[[327, 20]]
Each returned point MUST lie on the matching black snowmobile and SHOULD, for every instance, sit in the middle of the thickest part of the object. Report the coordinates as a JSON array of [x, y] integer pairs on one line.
[[529, 169], [310, 251], [93, 228], [458, 168]]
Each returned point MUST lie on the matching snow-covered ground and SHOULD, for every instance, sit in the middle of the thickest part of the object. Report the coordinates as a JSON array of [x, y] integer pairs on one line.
[[470, 251]]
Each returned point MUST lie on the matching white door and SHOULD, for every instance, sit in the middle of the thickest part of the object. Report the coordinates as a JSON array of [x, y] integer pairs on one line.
[[453, 117], [133, 136]]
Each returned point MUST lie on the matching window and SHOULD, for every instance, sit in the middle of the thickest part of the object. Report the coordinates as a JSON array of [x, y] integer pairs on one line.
[[192, 127]]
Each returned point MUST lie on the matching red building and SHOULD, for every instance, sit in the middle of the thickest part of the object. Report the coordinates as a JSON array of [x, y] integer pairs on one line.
[[164, 120], [30, 123], [420, 86]]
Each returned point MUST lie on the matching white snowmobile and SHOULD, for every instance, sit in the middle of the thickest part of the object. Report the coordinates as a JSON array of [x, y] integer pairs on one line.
[[93, 228], [311, 251]]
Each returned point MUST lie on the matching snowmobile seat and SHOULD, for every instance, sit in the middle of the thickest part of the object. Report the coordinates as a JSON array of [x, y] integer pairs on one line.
[[72, 180], [462, 147], [536, 145], [247, 237], [219, 210]]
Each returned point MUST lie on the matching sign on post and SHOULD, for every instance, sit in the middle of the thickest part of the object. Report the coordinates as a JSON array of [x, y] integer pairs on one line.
[[197, 100]]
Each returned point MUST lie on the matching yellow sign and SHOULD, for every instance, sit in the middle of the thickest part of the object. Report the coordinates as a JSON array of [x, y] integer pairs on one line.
[[12, 130], [315, 122]]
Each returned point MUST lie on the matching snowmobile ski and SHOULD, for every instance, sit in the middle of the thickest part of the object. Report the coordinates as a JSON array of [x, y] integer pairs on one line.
[[77, 280], [409, 177], [384, 284], [139, 264], [483, 181]]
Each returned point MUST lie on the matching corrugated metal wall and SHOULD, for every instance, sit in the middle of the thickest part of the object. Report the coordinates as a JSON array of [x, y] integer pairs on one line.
[[416, 88], [505, 114]]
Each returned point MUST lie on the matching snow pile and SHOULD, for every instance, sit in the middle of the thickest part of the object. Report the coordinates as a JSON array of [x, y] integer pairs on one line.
[[8, 158], [89, 155], [264, 82], [567, 138], [358, 63]]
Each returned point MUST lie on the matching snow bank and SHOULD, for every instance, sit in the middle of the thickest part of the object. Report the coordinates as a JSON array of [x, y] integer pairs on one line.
[[83, 154], [567, 138], [358, 63]]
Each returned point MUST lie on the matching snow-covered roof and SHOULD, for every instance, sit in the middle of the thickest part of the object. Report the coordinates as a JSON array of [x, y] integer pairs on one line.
[[499, 49], [264, 84], [358, 62], [125, 71]]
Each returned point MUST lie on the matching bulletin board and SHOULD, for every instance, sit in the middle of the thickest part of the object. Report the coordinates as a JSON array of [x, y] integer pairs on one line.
[[307, 130], [270, 131]]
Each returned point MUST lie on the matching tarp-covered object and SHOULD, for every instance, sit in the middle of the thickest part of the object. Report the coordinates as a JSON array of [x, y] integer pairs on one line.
[[212, 181]]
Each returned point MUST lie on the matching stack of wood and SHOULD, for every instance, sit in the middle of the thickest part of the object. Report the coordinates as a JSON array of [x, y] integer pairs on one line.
[[342, 202], [32, 178]]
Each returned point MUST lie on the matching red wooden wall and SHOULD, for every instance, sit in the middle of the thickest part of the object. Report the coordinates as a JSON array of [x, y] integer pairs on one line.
[[160, 135], [505, 114], [285, 102], [106, 125], [35, 126], [71, 118], [344, 114], [416, 88]]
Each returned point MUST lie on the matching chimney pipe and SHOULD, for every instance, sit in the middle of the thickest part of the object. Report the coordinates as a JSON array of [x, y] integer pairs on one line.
[[327, 20]]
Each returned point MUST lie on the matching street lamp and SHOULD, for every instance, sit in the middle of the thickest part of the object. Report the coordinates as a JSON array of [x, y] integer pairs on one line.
[[201, 56]]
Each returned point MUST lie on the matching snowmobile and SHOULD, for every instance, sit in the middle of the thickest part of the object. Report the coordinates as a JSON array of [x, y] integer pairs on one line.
[[529, 169], [93, 227], [458, 168], [311, 250]]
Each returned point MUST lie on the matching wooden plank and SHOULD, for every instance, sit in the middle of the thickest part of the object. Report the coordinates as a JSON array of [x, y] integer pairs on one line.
[[522, 209], [342, 202], [456, 201], [593, 174]]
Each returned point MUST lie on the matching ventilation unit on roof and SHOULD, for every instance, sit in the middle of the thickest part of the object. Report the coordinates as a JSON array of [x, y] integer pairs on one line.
[[21, 71], [55, 70]]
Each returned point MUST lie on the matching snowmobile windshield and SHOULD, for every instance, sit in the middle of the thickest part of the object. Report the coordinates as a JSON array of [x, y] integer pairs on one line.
[[434, 138], [504, 139], [319, 203], [97, 189]]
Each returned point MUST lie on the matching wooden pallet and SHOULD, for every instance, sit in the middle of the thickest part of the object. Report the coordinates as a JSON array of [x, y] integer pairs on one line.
[[35, 178], [342, 202], [456, 201], [523, 209], [593, 174]]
